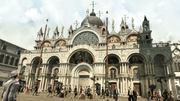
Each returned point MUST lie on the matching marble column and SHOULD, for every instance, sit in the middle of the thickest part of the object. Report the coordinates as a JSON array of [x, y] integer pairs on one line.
[[174, 88], [169, 68], [125, 68], [121, 86], [45, 88], [126, 87], [172, 68], [143, 90], [147, 86], [4, 59], [150, 68], [9, 60], [29, 84], [128, 68], [118, 84], [131, 83], [153, 67], [165, 73], [120, 69], [145, 68]]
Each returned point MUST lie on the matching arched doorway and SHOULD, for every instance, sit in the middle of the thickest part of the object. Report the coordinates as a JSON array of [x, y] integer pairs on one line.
[[81, 75], [136, 62]]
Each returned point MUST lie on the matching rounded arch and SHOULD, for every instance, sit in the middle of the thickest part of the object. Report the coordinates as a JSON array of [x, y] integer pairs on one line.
[[133, 37], [47, 43], [114, 57], [53, 60], [161, 53], [88, 30], [113, 38], [136, 54], [54, 68], [35, 60], [109, 68], [81, 50], [2, 56], [82, 67], [60, 42]]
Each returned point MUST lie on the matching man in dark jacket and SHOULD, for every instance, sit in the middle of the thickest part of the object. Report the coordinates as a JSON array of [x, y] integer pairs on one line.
[[115, 94], [75, 91], [130, 94], [58, 89], [135, 94], [103, 93]]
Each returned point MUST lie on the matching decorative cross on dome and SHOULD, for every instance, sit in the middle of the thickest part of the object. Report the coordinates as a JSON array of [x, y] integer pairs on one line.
[[93, 5]]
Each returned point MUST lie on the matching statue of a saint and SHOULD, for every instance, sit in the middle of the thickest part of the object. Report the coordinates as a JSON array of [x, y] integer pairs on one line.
[[113, 24]]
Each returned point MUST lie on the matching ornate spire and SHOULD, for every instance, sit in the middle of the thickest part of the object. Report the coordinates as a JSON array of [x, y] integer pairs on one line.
[[140, 30], [39, 34], [70, 27], [99, 13], [87, 12], [48, 34], [145, 19], [113, 24], [76, 23], [132, 23], [62, 31], [56, 33]]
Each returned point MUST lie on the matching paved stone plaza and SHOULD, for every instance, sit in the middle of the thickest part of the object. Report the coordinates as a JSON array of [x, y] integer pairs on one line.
[[43, 97]]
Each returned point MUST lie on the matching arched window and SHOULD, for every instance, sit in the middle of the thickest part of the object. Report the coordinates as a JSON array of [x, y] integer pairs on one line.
[[103, 31], [12, 61], [7, 59], [1, 58], [16, 63], [113, 73], [136, 74]]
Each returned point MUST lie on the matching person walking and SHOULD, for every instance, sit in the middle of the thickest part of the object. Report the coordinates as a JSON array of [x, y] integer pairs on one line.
[[159, 95], [130, 94], [165, 95], [58, 90], [75, 91], [149, 95], [171, 97], [49, 91], [10, 89], [89, 92], [107, 94], [115, 94], [69, 95], [103, 93], [154, 95], [135, 94]]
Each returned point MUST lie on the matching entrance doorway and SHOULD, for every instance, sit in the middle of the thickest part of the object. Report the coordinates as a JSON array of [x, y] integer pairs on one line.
[[113, 84], [84, 79], [138, 88]]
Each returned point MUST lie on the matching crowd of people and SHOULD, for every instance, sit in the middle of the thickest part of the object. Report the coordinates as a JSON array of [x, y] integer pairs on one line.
[[158, 96], [12, 86]]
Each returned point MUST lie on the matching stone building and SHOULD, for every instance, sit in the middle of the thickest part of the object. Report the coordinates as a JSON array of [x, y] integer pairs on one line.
[[9, 58], [134, 61]]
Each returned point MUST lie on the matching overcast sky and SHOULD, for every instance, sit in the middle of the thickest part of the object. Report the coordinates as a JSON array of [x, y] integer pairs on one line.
[[20, 20]]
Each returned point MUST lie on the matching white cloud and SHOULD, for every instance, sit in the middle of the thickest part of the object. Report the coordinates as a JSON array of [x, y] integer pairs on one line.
[[21, 20]]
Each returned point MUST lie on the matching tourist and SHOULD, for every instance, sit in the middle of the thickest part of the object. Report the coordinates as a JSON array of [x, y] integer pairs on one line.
[[154, 95], [58, 90], [115, 94], [80, 92], [89, 92], [35, 90], [149, 94], [61, 95], [49, 91], [130, 94], [75, 91], [165, 95], [171, 97], [102, 94], [107, 94], [66, 90], [135, 94], [95, 96], [11, 87], [159, 95], [69, 95], [86, 91], [26, 91]]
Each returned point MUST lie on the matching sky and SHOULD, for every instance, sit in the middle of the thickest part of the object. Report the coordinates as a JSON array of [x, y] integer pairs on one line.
[[20, 20]]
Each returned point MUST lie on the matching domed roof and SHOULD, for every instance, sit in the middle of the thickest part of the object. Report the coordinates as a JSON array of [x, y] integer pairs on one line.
[[92, 19]]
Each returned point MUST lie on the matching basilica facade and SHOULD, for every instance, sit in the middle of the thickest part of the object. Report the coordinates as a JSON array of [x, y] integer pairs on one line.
[[134, 61]]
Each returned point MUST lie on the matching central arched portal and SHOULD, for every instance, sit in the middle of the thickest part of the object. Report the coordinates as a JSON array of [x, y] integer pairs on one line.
[[82, 74]]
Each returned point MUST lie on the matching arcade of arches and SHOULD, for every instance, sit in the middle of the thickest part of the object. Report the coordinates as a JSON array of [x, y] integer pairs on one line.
[[136, 72]]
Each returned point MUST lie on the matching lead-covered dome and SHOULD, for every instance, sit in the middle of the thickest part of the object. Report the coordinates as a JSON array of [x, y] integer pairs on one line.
[[92, 19]]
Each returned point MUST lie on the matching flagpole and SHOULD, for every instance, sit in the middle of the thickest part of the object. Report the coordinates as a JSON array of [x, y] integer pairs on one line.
[[107, 83], [36, 81]]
